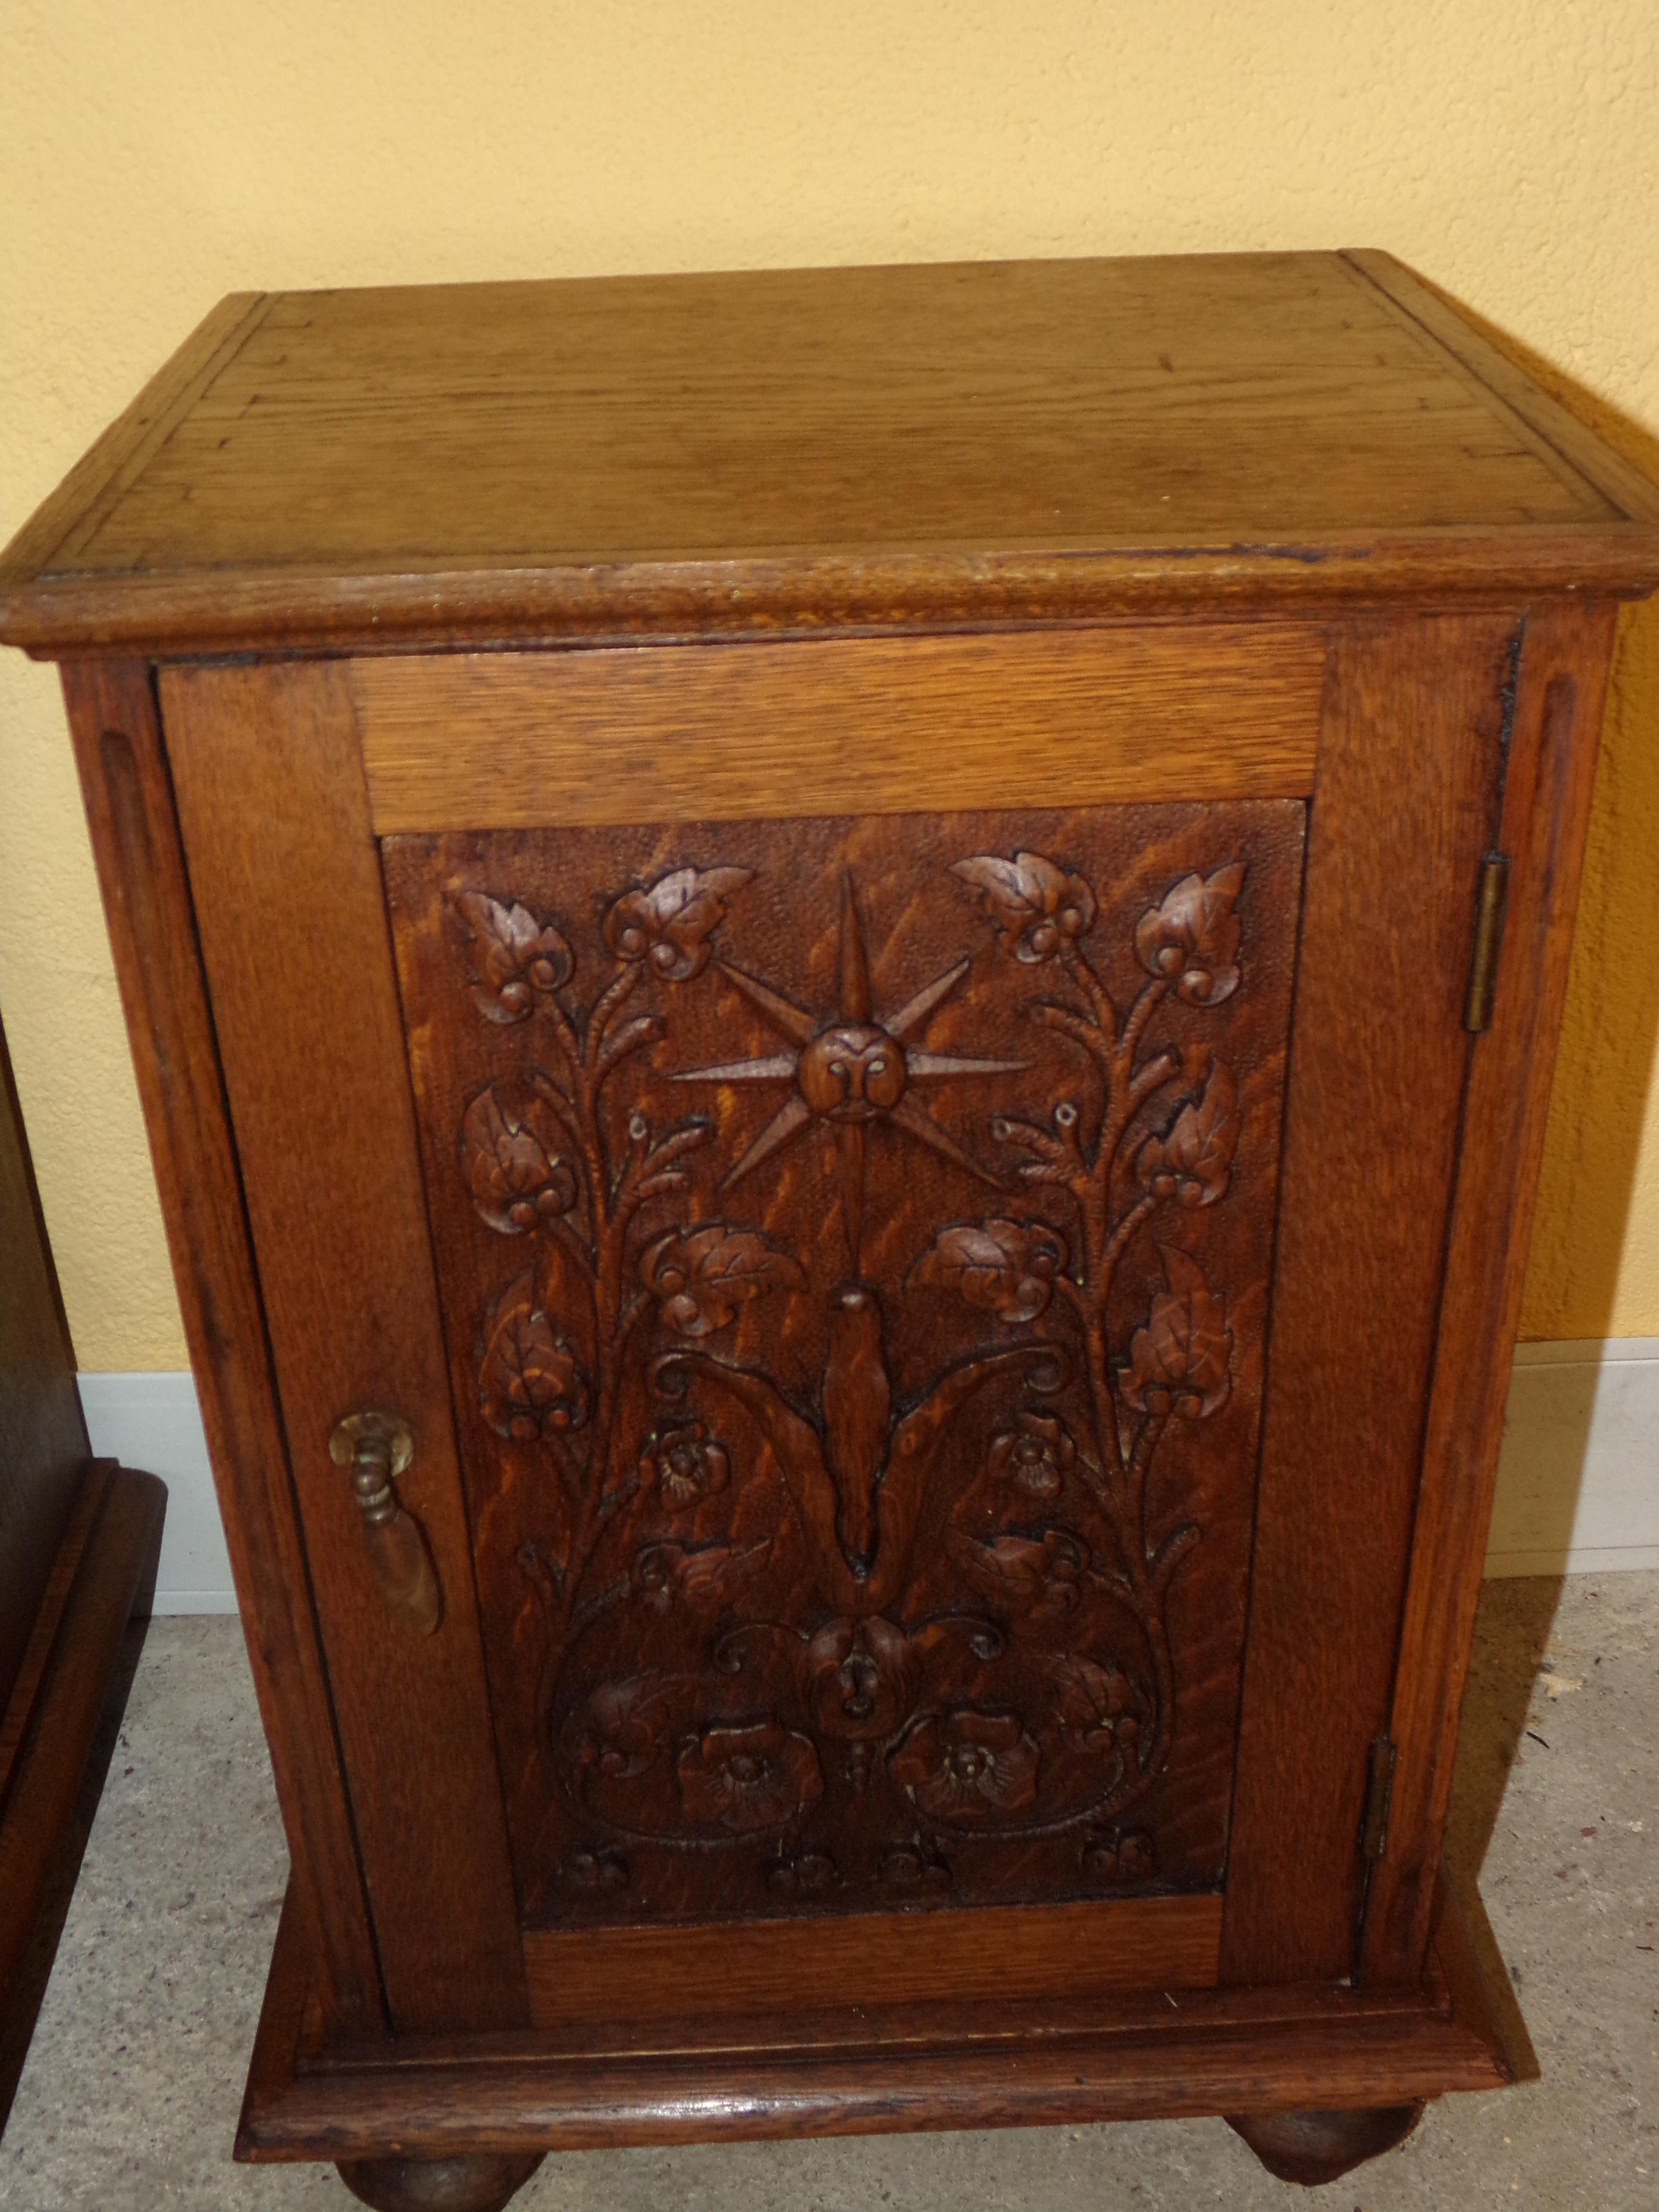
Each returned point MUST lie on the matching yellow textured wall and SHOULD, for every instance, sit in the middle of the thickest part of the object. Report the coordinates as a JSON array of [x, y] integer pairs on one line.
[[154, 157]]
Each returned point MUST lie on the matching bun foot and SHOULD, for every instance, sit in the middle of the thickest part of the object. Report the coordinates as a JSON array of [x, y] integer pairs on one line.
[[1316, 2147], [482, 2183]]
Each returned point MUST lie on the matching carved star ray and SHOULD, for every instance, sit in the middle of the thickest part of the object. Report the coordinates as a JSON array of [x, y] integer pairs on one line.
[[800, 1028]]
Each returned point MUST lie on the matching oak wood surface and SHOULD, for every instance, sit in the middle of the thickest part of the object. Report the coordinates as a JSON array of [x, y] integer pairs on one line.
[[128, 794], [598, 1976], [967, 443], [1549, 774], [860, 2070], [286, 883], [508, 740], [1404, 806]]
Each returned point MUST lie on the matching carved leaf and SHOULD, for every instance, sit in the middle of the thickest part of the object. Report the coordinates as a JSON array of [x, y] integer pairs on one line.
[[1178, 1362], [669, 923], [703, 1278], [1040, 1574], [1191, 1161], [1003, 1267], [516, 958], [706, 1573], [530, 1381], [1192, 939], [514, 1173], [1037, 905]]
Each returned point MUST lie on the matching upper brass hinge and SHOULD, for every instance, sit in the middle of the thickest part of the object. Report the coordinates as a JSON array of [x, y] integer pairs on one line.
[[1379, 1793], [1489, 906]]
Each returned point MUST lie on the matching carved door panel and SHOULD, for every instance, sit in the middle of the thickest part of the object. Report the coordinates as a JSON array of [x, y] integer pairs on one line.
[[854, 1238]]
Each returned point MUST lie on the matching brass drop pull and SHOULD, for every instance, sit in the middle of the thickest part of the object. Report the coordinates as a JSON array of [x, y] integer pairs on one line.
[[378, 1447]]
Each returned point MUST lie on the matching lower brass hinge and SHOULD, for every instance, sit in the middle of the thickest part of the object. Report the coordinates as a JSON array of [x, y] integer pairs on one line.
[[1379, 1793], [1489, 906]]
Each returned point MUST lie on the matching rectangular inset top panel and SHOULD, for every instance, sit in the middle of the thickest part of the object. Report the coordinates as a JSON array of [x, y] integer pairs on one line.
[[810, 445]]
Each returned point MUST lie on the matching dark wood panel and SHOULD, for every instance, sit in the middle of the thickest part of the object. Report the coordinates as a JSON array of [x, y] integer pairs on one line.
[[1546, 815], [596, 1977], [135, 839], [286, 889], [43, 1439], [854, 1235], [1404, 806], [512, 740], [58, 1764], [865, 2070]]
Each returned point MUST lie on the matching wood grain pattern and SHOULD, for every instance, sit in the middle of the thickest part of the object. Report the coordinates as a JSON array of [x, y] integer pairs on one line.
[[1550, 771], [855, 1235], [860, 2070], [141, 871], [596, 1977], [1551, 425], [1378, 1056], [287, 901], [946, 445], [510, 741]]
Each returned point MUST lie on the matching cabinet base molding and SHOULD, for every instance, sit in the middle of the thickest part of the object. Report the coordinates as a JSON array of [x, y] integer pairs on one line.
[[1310, 2069]]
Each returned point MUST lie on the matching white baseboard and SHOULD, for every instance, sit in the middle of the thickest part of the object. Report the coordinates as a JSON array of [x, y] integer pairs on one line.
[[1578, 1488]]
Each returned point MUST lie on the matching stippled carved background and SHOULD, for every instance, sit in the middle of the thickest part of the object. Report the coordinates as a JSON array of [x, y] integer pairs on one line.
[[854, 1239]]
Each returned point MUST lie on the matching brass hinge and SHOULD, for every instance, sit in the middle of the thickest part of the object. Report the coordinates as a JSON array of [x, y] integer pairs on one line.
[[1488, 936], [1379, 1791]]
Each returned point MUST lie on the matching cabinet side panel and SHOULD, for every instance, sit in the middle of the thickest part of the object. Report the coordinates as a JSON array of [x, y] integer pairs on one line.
[[1546, 815], [135, 838], [1403, 806], [286, 880]]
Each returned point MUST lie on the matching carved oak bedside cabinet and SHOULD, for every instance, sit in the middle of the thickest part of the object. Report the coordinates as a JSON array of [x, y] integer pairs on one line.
[[845, 983]]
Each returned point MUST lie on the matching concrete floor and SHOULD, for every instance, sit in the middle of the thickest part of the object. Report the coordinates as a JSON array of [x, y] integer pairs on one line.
[[130, 2093]]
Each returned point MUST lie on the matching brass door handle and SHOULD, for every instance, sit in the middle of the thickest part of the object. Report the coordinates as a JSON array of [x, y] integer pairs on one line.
[[378, 1447]]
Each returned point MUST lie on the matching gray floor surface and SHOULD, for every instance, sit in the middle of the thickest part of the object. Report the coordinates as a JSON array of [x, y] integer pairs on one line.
[[130, 2093]]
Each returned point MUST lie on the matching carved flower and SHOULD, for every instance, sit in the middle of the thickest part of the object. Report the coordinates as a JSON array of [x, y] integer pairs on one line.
[[1178, 1362], [1037, 1453], [861, 1678], [671, 922], [1038, 1574], [685, 1464], [915, 1865], [1096, 1702], [516, 958], [530, 1381], [601, 1868], [805, 1874], [1036, 906], [964, 1765], [1003, 1267], [516, 1180], [703, 1278], [1191, 1161], [1119, 1858], [1192, 938], [757, 1775]]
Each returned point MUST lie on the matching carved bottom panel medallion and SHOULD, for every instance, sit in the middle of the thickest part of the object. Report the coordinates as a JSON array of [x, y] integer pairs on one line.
[[854, 1236]]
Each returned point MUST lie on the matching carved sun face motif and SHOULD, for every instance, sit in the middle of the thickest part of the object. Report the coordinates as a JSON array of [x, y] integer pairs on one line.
[[852, 1073], [851, 1069]]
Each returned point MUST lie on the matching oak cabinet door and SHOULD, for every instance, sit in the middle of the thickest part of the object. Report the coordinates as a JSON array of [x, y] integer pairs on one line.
[[854, 1236]]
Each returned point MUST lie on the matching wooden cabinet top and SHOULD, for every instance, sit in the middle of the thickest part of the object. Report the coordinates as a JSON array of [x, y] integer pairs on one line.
[[876, 448]]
